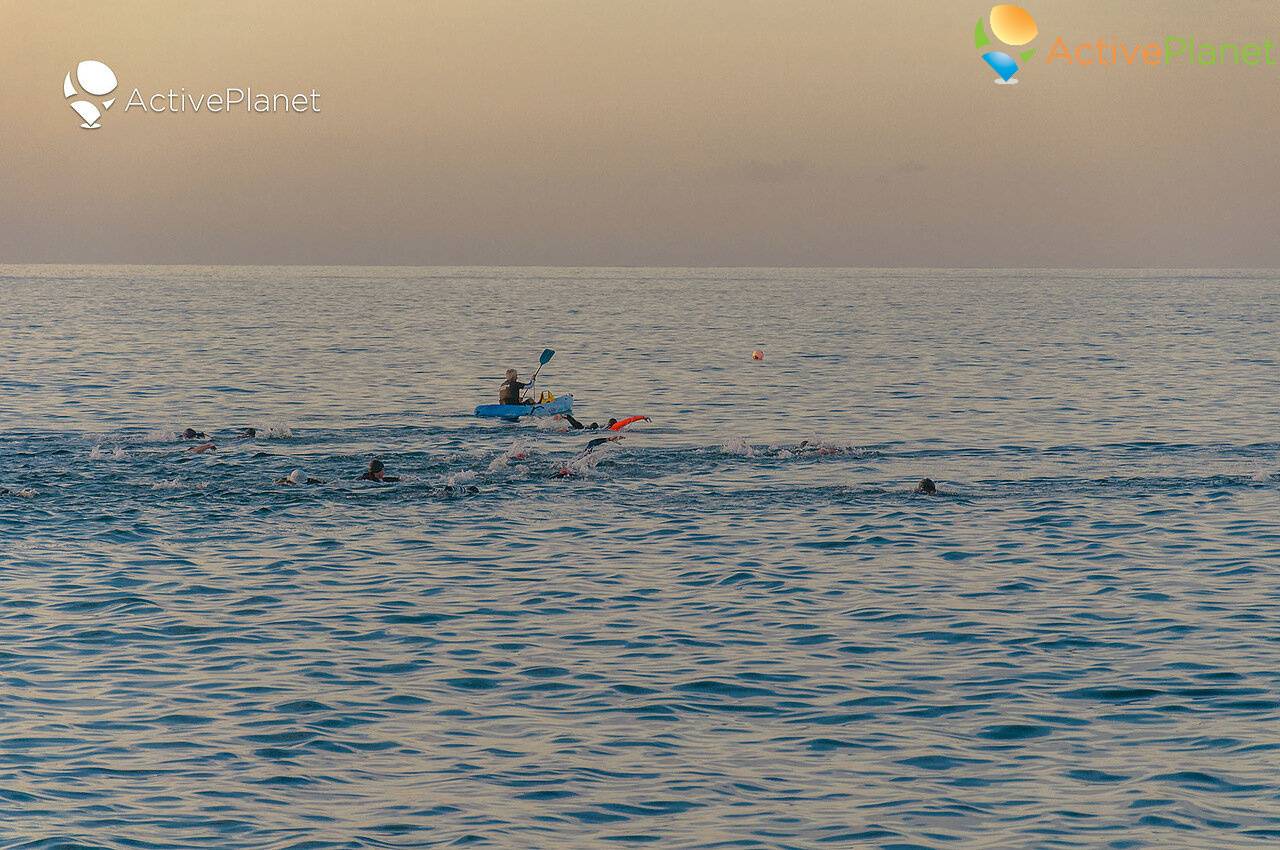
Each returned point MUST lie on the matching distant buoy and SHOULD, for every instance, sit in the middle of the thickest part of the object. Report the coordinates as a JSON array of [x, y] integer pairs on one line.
[[757, 355]]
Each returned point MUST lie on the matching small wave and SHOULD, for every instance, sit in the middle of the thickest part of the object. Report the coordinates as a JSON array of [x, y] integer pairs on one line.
[[106, 453], [19, 492], [275, 432], [825, 449], [178, 484]]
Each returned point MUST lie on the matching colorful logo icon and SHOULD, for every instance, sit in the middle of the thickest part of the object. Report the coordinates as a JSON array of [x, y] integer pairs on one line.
[[96, 79], [1012, 25]]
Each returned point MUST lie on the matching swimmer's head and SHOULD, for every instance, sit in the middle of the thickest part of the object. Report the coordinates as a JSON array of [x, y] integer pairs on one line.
[[927, 487], [297, 477], [249, 432], [612, 422], [190, 434]]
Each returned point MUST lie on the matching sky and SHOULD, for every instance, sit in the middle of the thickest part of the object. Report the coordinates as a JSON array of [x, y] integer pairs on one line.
[[646, 132]]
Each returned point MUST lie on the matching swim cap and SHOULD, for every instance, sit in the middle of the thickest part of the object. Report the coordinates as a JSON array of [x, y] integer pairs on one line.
[[376, 466], [297, 477]]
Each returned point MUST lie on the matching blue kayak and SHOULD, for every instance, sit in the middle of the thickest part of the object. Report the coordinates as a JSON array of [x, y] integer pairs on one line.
[[562, 404]]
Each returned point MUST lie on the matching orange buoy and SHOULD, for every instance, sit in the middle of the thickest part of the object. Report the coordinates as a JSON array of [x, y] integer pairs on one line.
[[757, 355]]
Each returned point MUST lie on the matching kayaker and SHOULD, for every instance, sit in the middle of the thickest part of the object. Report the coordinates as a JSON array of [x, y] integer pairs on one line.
[[377, 472], [511, 389]]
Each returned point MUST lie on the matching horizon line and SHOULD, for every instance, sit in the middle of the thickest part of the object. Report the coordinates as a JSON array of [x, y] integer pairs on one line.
[[631, 266]]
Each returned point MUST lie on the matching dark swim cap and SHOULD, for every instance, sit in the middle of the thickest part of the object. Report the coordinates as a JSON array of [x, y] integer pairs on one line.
[[375, 466]]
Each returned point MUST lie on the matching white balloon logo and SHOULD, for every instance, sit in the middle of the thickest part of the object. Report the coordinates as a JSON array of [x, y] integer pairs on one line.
[[97, 79]]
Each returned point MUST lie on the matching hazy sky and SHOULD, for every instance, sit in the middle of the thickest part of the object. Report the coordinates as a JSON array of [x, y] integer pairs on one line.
[[637, 132]]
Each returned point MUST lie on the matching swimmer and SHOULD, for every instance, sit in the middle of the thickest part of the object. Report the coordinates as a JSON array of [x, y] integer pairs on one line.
[[817, 448], [615, 425], [509, 392], [566, 469], [193, 434], [926, 487], [202, 448], [376, 472], [578, 426], [247, 433], [592, 445], [297, 477], [611, 425], [449, 490]]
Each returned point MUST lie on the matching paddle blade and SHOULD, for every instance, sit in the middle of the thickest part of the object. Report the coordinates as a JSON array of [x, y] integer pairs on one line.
[[546, 356]]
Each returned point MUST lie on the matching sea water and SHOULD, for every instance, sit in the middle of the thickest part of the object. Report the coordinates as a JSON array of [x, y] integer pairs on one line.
[[705, 635]]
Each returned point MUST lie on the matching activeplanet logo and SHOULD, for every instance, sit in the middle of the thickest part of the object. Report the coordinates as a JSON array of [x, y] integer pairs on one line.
[[96, 79], [93, 80], [1014, 26]]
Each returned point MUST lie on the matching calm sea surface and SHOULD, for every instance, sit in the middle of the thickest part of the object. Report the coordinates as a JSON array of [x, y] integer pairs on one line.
[[703, 636]]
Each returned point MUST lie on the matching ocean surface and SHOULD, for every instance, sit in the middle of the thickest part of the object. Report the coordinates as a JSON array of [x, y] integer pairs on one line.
[[701, 636]]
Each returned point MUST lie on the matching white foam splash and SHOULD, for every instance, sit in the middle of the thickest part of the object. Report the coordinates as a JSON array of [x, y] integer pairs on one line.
[[584, 465], [459, 478], [106, 453], [553, 423], [518, 450], [739, 446], [825, 449]]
